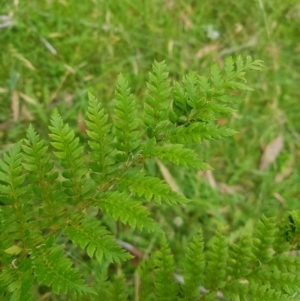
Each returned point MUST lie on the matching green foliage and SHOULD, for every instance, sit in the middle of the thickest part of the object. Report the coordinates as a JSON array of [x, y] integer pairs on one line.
[[51, 268], [146, 287], [157, 101], [164, 270], [233, 272], [194, 266], [199, 99], [66, 189], [117, 291], [96, 239], [127, 122], [126, 209], [216, 257], [102, 161]]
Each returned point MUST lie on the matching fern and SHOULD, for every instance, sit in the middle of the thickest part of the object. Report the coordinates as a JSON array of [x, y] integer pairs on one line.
[[99, 242], [65, 190], [77, 186], [233, 272], [157, 101], [102, 284], [118, 289], [216, 263], [198, 99], [146, 287], [43, 180], [127, 122], [194, 267], [52, 269], [129, 211], [179, 155], [140, 184], [101, 142], [163, 262]]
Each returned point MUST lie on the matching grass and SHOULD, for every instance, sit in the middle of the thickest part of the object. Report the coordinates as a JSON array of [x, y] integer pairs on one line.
[[56, 51]]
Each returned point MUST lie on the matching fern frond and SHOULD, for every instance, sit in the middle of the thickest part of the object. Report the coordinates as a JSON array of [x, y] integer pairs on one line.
[[232, 74], [43, 182], [263, 239], [179, 155], [216, 256], [140, 184], [236, 290], [38, 206], [240, 257], [157, 100], [187, 134], [38, 161], [198, 101], [97, 240], [197, 131], [286, 263], [17, 210], [215, 132], [102, 286], [194, 267], [180, 103], [281, 243], [12, 177], [229, 68], [239, 62], [18, 281], [101, 141], [53, 269], [293, 227], [215, 76], [118, 290], [119, 206], [72, 159], [257, 65], [126, 123], [146, 288], [191, 88], [237, 86], [165, 286], [187, 100], [258, 292], [279, 281]]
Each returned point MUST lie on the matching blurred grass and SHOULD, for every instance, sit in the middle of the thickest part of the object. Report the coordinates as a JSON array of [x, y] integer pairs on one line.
[[58, 50]]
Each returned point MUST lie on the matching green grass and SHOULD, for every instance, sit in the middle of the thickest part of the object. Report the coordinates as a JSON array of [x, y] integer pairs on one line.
[[93, 41]]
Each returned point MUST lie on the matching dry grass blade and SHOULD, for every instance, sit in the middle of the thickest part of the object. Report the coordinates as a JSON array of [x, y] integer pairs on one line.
[[15, 105], [285, 172], [271, 152], [168, 177], [211, 179], [27, 98], [206, 50]]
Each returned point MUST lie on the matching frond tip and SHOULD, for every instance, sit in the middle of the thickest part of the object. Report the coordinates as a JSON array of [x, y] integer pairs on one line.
[[126, 124], [166, 287]]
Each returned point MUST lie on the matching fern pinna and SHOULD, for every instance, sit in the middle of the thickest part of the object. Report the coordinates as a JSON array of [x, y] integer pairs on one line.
[[62, 189]]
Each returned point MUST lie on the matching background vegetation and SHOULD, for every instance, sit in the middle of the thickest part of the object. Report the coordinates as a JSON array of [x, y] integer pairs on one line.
[[53, 52]]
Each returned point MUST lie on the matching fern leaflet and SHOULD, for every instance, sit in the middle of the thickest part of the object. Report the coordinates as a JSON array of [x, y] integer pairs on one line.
[[99, 242], [127, 122], [128, 211]]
